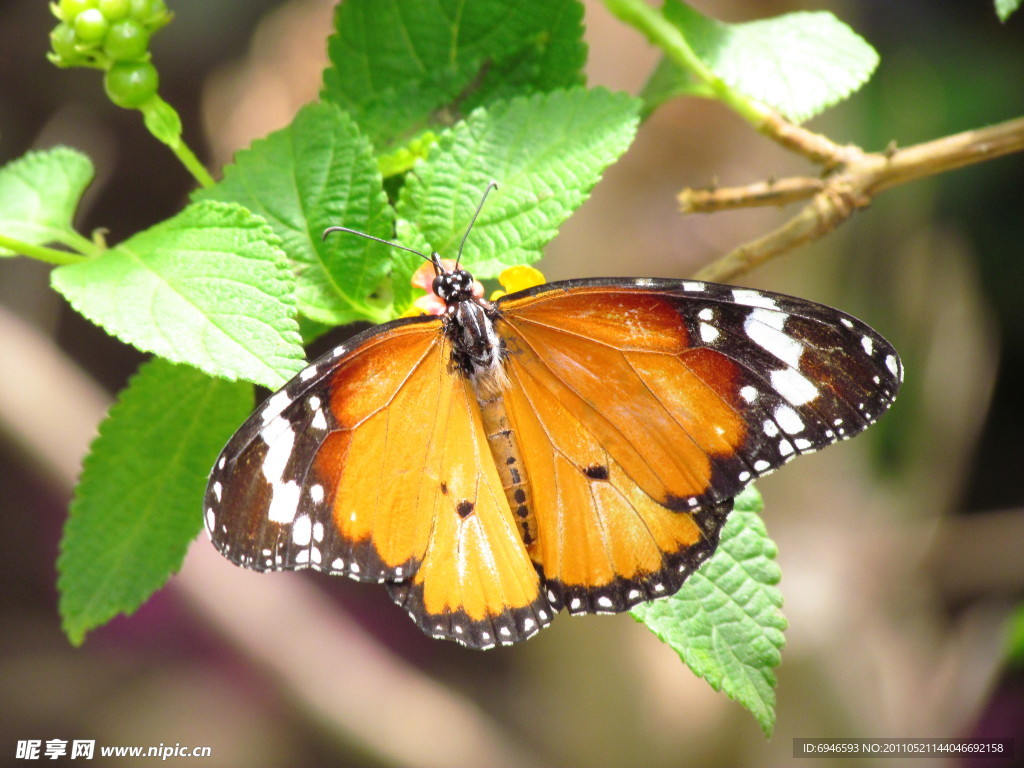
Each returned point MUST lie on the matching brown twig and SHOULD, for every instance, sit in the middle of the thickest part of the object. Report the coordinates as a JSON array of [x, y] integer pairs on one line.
[[771, 192], [853, 181], [816, 147]]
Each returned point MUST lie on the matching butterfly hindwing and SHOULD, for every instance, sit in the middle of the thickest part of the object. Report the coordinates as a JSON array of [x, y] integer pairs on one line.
[[372, 463]]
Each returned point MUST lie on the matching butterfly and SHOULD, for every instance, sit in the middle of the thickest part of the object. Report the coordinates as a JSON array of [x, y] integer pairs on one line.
[[576, 445]]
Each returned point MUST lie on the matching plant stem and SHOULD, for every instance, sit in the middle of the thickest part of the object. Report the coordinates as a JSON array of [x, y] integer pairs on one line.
[[191, 162], [40, 252]]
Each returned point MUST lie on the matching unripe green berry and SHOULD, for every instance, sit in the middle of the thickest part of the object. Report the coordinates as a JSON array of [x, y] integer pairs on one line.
[[69, 9], [127, 40], [63, 40], [140, 10], [131, 84], [114, 9], [91, 25]]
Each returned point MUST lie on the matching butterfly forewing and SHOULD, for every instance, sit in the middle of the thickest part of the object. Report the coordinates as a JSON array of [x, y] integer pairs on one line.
[[744, 379]]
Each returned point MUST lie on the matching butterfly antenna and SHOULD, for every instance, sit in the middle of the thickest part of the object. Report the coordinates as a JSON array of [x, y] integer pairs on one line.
[[371, 237], [490, 185]]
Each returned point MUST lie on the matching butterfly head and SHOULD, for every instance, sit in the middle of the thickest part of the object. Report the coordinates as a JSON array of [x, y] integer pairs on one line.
[[452, 286]]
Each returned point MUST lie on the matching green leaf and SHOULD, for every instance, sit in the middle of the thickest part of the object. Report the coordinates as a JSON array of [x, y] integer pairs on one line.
[[546, 152], [725, 622], [1005, 9], [799, 63], [318, 172], [403, 66], [39, 193], [139, 501], [209, 287]]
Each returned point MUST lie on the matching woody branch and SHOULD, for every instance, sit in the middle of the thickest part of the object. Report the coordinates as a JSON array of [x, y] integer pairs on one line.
[[851, 181]]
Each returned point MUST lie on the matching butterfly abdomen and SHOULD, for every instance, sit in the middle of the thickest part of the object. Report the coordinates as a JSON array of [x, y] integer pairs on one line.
[[508, 458]]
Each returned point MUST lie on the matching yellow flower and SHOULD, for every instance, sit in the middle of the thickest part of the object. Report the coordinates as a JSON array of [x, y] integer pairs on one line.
[[518, 278]]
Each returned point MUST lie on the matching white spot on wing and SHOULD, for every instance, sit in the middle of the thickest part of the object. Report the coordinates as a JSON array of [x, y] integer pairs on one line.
[[708, 333], [302, 531], [751, 298], [316, 493], [284, 501], [868, 343], [692, 285], [793, 386], [275, 404], [308, 373], [764, 328], [211, 520], [279, 450], [890, 363], [319, 421], [748, 393], [789, 420]]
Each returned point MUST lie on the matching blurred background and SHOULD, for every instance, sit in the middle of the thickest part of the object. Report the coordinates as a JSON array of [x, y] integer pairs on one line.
[[902, 552]]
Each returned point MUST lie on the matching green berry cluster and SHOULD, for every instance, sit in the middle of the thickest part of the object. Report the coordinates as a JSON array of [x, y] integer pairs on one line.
[[112, 35]]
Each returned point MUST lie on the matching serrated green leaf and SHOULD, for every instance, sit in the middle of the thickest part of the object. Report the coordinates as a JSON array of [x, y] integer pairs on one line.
[[139, 501], [1005, 9], [799, 63], [546, 152], [209, 287], [39, 193], [318, 172], [725, 622], [403, 66]]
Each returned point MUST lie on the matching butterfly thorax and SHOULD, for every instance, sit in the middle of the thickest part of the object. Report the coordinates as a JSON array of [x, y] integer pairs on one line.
[[477, 351]]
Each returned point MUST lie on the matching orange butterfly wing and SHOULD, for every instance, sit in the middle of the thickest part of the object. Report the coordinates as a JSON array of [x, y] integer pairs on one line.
[[401, 488], [643, 407], [582, 450]]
